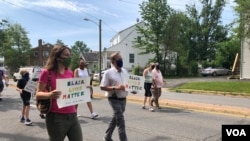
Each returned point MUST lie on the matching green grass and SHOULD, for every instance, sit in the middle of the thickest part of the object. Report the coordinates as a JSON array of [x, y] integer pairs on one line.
[[229, 87]]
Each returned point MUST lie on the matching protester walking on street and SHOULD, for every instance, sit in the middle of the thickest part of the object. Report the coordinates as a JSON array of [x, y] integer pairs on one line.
[[158, 83], [6, 75], [82, 71], [1, 83], [147, 74], [60, 122], [113, 84], [25, 96]]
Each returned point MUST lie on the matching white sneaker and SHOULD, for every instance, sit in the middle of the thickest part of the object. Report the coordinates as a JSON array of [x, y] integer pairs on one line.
[[79, 115], [27, 122], [94, 115], [151, 109]]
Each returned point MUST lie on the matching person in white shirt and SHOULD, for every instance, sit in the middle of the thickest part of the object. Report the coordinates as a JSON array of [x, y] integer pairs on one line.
[[113, 83], [147, 74], [82, 71]]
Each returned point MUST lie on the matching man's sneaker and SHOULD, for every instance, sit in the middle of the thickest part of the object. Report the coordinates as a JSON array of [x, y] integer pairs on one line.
[[151, 109], [94, 115], [22, 120], [158, 107], [143, 107], [27, 122], [106, 139]]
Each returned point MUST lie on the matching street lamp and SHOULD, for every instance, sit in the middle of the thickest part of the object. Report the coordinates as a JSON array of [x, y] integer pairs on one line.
[[100, 44]]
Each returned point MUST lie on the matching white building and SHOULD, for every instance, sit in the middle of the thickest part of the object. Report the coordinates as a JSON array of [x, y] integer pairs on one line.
[[123, 42]]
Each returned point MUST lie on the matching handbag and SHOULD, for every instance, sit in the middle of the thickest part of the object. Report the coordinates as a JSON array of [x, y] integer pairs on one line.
[[44, 105]]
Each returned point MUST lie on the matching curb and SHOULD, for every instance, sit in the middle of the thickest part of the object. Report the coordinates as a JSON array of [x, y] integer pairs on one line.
[[223, 109]]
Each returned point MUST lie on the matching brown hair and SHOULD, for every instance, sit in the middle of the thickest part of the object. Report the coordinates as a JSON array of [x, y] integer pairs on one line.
[[55, 53], [22, 72], [113, 56]]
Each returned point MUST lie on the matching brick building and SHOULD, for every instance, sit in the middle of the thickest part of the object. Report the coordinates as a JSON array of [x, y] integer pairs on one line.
[[39, 54]]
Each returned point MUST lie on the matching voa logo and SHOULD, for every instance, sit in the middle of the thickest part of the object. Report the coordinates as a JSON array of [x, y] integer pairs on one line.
[[236, 132]]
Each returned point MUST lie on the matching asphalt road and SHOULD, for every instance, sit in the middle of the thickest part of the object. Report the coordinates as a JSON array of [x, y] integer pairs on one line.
[[167, 124]]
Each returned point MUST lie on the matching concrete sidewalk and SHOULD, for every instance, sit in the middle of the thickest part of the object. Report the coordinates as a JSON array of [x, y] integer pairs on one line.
[[207, 107]]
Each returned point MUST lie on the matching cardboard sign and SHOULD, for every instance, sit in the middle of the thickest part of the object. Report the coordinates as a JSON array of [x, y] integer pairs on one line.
[[31, 86], [74, 91], [134, 83]]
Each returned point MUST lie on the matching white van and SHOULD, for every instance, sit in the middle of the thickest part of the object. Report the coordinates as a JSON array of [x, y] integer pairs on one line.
[[34, 72]]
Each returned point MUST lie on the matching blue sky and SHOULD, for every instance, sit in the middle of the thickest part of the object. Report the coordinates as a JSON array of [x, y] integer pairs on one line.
[[50, 20]]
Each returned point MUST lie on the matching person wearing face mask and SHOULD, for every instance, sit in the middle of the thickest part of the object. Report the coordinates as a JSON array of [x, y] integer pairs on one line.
[[113, 84], [147, 74], [25, 96], [83, 72], [60, 122], [158, 83]]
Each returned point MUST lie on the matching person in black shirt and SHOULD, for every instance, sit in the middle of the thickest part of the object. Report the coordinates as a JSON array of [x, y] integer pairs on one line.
[[25, 96]]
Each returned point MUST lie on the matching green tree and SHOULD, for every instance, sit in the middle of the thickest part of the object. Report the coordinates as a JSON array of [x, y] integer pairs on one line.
[[17, 49], [244, 17], [154, 14], [226, 52], [58, 41], [211, 27], [201, 35], [3, 37], [76, 51], [175, 24]]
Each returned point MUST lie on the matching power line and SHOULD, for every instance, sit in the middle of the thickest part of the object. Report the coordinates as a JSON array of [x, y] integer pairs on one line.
[[43, 15]]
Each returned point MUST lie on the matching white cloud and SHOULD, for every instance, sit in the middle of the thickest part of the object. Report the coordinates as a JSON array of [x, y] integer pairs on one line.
[[56, 4]]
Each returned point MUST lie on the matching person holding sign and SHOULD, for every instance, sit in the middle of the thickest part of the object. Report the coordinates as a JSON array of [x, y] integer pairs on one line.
[[113, 84], [60, 122], [147, 74], [83, 72], [25, 96]]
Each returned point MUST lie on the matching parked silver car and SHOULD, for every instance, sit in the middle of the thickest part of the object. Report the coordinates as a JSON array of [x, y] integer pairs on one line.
[[215, 71]]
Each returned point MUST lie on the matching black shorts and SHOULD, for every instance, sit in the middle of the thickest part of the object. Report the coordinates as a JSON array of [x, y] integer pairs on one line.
[[147, 87], [26, 98]]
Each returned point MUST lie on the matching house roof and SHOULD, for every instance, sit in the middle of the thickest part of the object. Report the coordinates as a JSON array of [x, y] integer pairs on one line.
[[132, 26], [90, 57], [44, 45]]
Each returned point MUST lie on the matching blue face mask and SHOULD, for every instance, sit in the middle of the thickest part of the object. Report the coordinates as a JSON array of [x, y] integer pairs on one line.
[[119, 63]]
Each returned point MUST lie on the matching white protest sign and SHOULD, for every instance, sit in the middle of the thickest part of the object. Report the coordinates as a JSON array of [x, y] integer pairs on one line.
[[31, 86], [74, 91], [134, 83]]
